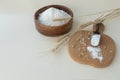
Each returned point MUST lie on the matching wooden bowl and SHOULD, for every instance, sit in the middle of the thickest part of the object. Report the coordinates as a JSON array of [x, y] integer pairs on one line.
[[53, 30]]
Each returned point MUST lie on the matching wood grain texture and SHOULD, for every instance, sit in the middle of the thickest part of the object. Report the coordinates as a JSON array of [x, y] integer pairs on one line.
[[77, 47]]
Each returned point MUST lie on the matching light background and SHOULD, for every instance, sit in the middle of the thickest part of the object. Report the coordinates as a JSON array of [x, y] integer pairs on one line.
[[21, 45]]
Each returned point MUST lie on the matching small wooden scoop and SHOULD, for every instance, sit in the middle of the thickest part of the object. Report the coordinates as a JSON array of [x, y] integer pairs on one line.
[[95, 39]]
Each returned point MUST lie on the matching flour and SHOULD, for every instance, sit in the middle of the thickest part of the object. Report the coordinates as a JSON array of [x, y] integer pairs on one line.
[[95, 52], [48, 15]]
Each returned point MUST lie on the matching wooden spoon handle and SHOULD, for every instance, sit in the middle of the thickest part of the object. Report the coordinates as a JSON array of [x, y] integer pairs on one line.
[[101, 27]]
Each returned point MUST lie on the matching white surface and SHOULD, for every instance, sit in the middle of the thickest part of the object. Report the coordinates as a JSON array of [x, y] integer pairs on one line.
[[21, 44]]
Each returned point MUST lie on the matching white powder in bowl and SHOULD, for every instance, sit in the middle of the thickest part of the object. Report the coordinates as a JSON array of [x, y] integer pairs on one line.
[[51, 13]]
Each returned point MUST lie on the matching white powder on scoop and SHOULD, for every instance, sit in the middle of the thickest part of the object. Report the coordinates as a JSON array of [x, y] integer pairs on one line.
[[95, 40], [48, 15], [95, 52]]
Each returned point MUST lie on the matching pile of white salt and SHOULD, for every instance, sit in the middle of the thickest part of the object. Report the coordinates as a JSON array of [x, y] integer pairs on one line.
[[95, 52], [52, 13]]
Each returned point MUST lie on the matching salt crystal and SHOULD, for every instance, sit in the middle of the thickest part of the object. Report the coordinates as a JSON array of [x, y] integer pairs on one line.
[[52, 13], [72, 46], [82, 54]]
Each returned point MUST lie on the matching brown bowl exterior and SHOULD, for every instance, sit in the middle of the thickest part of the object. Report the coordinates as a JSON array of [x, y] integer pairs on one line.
[[53, 30]]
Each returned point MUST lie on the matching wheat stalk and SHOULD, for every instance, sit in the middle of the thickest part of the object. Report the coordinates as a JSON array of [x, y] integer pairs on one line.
[[113, 14]]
